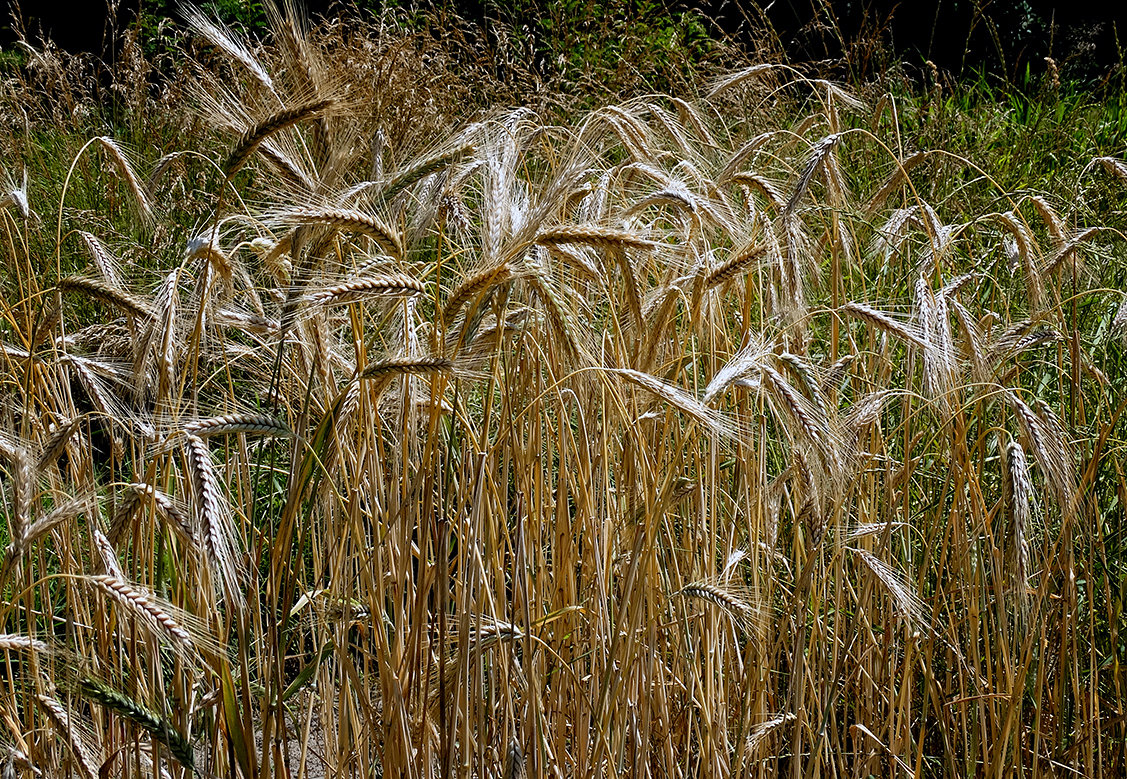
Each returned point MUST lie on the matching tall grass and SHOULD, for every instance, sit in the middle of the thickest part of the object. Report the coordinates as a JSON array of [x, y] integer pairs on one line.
[[724, 436]]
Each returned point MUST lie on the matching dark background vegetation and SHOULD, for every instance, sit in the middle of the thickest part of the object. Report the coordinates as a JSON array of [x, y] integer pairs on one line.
[[1002, 38]]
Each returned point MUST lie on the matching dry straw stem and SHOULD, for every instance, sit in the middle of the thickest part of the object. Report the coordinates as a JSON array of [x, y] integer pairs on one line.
[[250, 140], [379, 286], [352, 221]]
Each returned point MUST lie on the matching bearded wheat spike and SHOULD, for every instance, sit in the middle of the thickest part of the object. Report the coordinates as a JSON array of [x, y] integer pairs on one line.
[[164, 505], [108, 555], [350, 221], [1020, 488], [260, 424], [1119, 321], [390, 286], [474, 286], [103, 291], [55, 445], [214, 522], [883, 321], [592, 235], [59, 717], [760, 732], [106, 264], [908, 603], [805, 373], [402, 366], [141, 604], [679, 399], [732, 599], [895, 180], [11, 642], [125, 169], [763, 186], [157, 726], [221, 38], [814, 429], [557, 315], [250, 140], [1050, 450], [734, 264], [819, 153], [741, 362]]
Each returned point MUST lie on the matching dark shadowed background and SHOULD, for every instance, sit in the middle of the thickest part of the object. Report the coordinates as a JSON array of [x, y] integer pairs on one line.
[[1001, 37]]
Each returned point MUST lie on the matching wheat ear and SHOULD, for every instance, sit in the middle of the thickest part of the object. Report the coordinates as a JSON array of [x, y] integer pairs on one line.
[[103, 291], [401, 366], [145, 607], [883, 321], [214, 522], [389, 286], [257, 424], [1020, 489], [158, 727], [125, 169], [61, 720], [474, 286], [164, 505], [350, 221], [275, 123], [10, 642]]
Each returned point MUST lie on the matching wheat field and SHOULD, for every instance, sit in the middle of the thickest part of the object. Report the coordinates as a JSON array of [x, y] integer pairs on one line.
[[722, 434]]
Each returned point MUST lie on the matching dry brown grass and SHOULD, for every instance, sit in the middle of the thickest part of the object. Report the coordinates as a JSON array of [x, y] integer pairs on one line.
[[681, 440]]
